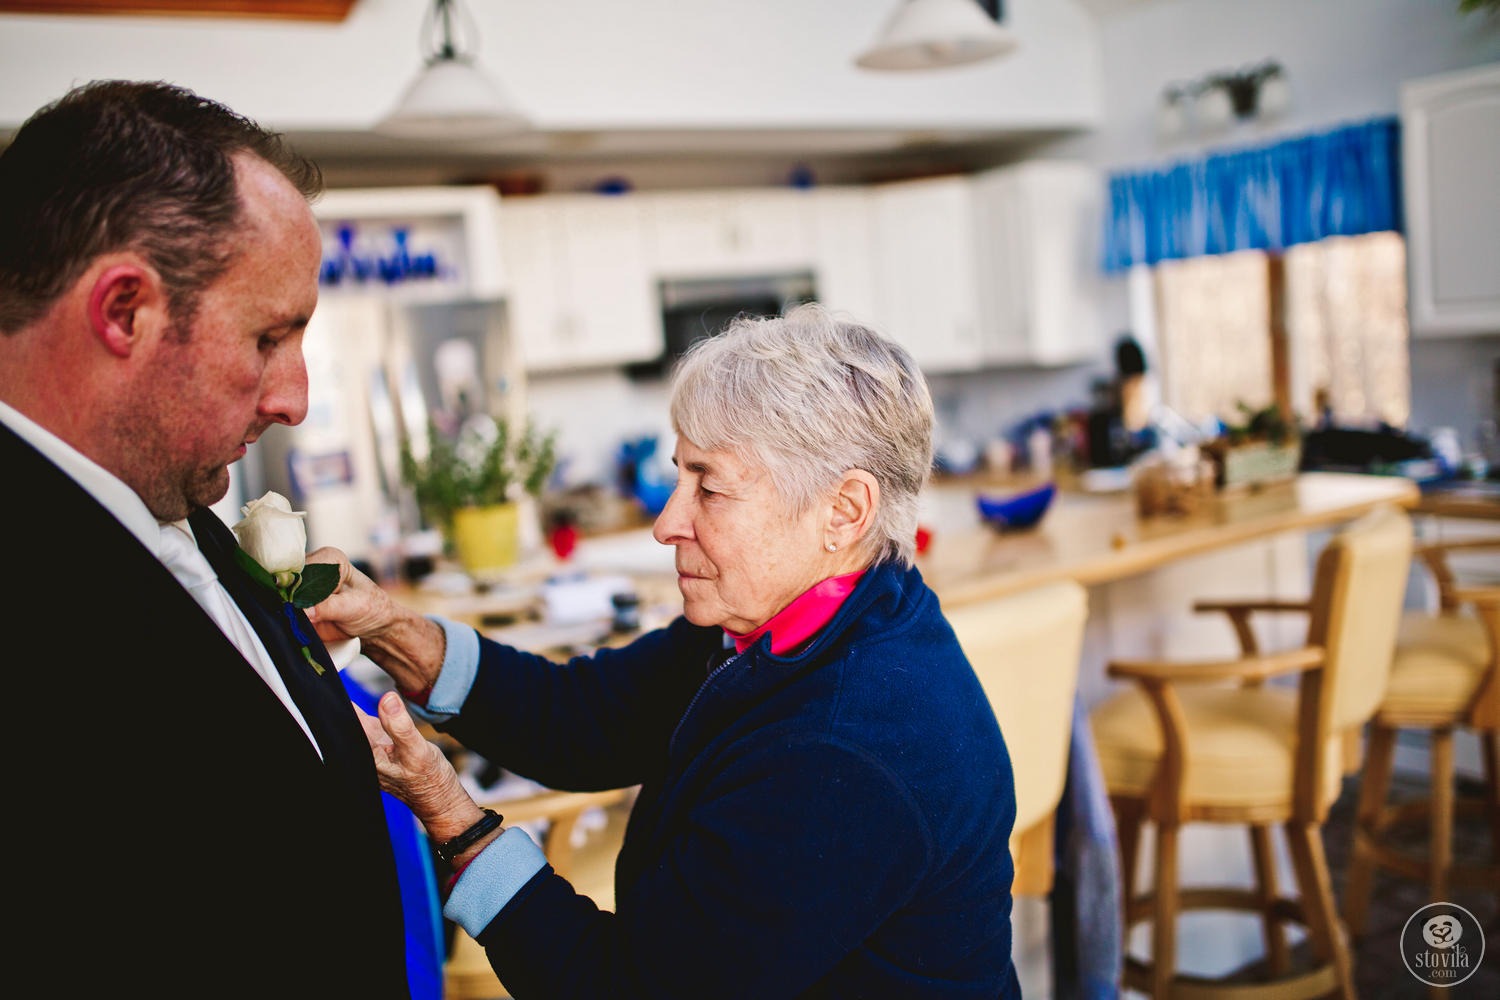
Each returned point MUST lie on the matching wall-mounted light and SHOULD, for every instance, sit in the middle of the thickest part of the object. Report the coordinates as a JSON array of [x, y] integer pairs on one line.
[[1215, 102], [451, 98]]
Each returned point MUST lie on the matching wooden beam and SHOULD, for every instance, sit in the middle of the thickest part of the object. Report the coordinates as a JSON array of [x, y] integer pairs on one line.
[[300, 10]]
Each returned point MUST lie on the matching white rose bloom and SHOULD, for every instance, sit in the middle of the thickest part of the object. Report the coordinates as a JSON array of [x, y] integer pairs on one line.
[[273, 535]]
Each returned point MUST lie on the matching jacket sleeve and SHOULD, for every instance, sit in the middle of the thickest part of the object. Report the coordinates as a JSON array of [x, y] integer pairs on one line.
[[593, 722], [788, 858]]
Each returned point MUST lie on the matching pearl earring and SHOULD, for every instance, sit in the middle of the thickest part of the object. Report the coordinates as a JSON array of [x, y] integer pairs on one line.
[[832, 547]]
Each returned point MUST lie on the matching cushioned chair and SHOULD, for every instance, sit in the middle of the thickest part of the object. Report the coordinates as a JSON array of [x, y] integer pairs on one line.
[[1214, 742], [1445, 675], [1025, 648]]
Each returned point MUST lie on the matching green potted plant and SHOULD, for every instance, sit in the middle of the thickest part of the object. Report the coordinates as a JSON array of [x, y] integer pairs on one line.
[[468, 486], [1264, 446]]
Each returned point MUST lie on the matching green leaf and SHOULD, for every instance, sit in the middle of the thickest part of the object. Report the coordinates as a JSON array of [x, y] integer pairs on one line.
[[318, 581], [256, 570]]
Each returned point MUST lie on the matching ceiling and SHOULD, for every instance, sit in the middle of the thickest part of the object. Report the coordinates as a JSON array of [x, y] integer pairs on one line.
[[359, 158]]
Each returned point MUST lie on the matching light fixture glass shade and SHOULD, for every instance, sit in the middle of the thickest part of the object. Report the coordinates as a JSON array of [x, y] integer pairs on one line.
[[1274, 96], [452, 99], [1213, 110], [930, 34]]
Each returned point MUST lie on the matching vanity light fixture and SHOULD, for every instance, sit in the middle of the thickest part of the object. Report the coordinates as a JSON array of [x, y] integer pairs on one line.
[[932, 34], [451, 98], [1212, 104]]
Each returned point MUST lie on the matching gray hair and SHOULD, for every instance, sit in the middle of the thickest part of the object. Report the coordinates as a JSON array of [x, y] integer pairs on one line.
[[808, 396]]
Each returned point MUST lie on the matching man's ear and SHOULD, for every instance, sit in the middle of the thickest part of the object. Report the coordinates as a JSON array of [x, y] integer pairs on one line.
[[117, 299], [854, 503]]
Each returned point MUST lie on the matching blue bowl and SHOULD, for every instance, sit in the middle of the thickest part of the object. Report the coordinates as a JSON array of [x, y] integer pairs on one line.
[[1014, 511]]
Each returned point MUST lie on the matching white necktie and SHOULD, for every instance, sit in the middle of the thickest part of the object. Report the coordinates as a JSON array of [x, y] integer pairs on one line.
[[179, 552]]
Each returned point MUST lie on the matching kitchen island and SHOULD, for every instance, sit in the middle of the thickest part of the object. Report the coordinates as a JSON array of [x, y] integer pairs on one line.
[[1094, 538]]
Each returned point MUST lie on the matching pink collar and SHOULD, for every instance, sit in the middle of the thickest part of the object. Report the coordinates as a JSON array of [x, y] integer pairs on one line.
[[800, 621]]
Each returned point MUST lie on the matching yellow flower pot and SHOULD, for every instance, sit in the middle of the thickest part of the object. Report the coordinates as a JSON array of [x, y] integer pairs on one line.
[[486, 539]]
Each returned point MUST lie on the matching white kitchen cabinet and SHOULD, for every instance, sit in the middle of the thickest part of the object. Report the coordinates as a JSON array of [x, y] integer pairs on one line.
[[1450, 152], [729, 232], [417, 244], [843, 256], [992, 269], [581, 295], [1038, 225], [927, 271]]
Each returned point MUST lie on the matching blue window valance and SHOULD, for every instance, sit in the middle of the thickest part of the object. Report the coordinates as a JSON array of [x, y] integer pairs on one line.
[[1340, 183]]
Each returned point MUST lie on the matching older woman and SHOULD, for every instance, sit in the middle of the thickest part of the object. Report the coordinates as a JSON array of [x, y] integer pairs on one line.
[[826, 799]]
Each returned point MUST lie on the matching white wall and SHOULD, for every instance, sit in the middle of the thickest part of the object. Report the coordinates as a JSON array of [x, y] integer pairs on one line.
[[1345, 60]]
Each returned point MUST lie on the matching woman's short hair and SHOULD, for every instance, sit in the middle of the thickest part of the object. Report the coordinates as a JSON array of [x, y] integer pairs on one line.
[[127, 165], [807, 396]]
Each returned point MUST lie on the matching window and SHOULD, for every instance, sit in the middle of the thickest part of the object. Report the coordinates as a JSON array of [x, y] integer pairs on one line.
[[1320, 331]]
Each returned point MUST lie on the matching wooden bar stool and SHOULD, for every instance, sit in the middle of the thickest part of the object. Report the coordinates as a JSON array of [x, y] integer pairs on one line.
[[1445, 675], [1210, 742]]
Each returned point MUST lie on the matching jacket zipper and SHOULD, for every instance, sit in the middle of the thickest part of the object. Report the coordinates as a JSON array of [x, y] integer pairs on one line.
[[671, 744]]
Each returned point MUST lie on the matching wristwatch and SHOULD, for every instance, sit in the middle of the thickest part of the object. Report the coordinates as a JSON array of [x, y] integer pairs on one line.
[[450, 849]]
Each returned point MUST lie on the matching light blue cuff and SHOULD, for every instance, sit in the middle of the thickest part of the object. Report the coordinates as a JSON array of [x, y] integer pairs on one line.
[[492, 879], [456, 677]]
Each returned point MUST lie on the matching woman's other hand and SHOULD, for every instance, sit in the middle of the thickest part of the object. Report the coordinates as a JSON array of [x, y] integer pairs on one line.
[[415, 770]]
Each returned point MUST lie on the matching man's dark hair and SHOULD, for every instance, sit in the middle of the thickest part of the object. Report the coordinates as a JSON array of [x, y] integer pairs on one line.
[[121, 164]]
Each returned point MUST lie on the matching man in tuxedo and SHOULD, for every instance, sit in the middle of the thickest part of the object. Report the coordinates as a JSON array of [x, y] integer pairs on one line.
[[196, 806]]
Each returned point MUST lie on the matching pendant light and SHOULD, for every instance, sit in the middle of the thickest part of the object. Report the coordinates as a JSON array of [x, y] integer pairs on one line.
[[931, 34], [451, 98]]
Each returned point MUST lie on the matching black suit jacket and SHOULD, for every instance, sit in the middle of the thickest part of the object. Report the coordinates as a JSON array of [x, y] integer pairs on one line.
[[173, 828]]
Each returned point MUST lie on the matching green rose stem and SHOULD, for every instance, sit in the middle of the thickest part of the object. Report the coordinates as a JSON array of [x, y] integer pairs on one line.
[[291, 617], [315, 582]]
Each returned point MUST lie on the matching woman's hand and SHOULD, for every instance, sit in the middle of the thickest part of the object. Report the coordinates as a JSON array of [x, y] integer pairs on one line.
[[406, 645], [415, 770], [358, 607]]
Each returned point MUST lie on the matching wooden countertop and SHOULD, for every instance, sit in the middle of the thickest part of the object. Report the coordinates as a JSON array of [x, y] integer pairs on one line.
[[1097, 538], [1462, 499]]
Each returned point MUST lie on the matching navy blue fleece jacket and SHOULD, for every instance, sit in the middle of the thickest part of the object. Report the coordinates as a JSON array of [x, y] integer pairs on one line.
[[833, 823]]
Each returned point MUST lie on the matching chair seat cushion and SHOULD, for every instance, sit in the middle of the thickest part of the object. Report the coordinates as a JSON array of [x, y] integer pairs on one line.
[[1241, 744], [1437, 667]]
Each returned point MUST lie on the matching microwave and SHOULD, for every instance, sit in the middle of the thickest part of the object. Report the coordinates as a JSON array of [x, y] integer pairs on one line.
[[699, 307]]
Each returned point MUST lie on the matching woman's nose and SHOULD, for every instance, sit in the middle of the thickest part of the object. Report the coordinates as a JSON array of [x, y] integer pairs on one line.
[[672, 525]]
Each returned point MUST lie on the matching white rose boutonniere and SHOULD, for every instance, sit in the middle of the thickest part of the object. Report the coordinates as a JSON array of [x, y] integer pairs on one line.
[[273, 550]]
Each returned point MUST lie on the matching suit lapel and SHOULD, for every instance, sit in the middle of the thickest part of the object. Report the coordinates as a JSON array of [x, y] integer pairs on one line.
[[321, 698]]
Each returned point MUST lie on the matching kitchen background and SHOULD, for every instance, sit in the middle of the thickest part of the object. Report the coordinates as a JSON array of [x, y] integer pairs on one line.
[[731, 123]]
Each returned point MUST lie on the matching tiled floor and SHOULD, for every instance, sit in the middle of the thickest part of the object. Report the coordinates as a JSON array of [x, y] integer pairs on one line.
[[1379, 970]]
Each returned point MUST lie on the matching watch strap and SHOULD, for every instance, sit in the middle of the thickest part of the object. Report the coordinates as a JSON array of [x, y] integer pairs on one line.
[[450, 849]]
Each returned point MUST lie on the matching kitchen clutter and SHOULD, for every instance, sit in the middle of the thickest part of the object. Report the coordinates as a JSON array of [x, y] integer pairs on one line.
[[1178, 481]]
